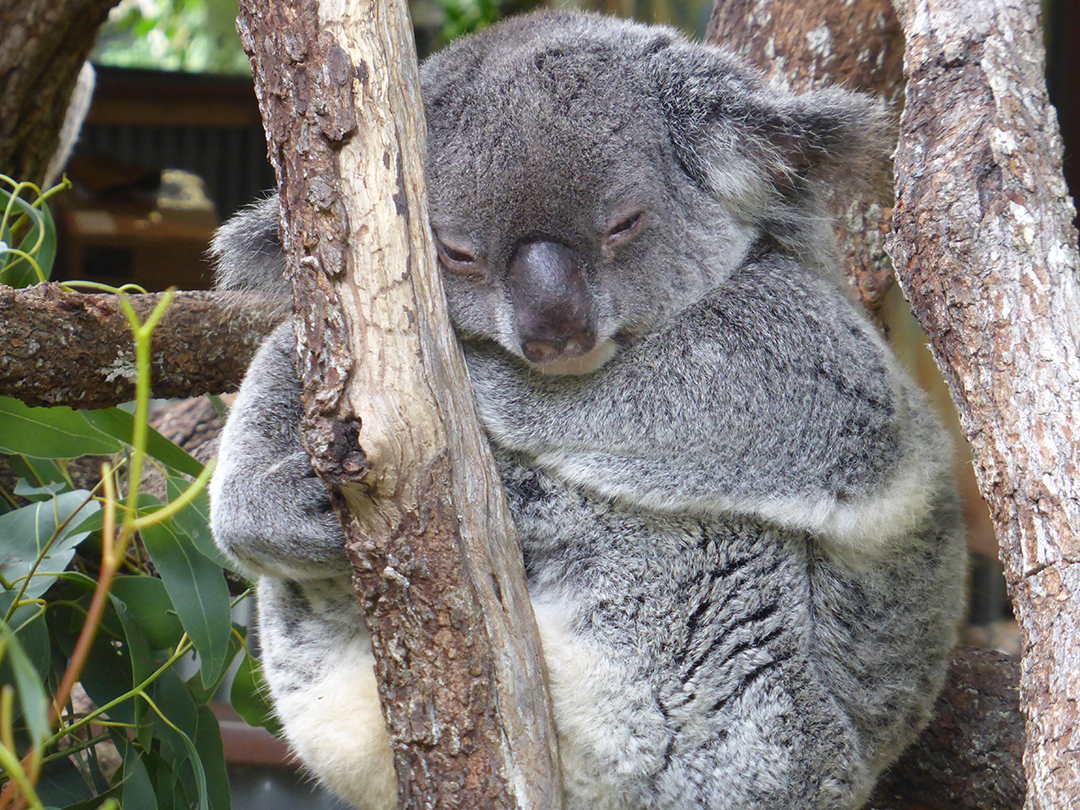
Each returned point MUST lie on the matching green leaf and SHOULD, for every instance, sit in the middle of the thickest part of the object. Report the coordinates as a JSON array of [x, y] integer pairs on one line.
[[50, 433], [120, 425], [198, 591], [142, 663], [194, 521], [249, 696], [207, 740], [106, 677], [138, 792], [175, 702], [62, 785], [28, 686], [149, 604], [46, 492], [29, 626], [38, 471], [18, 272], [25, 532]]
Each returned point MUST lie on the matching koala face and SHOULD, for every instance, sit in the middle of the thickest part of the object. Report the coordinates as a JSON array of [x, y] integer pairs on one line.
[[590, 178], [566, 227]]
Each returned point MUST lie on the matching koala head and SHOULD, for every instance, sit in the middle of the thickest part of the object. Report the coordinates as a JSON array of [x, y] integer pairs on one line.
[[589, 178]]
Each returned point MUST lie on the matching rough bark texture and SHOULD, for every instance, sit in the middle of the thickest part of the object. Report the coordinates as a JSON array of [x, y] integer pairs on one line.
[[63, 348], [969, 758], [987, 254], [391, 420], [43, 44], [814, 43]]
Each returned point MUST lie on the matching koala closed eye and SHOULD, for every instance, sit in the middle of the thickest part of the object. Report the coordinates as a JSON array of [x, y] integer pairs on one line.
[[624, 229], [459, 258]]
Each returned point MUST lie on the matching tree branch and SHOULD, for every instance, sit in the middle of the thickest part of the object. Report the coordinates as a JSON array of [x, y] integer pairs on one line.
[[962, 760], [63, 348], [969, 757], [43, 47], [987, 255]]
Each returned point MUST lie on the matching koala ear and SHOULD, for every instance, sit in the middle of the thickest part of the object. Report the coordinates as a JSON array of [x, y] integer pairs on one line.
[[759, 146]]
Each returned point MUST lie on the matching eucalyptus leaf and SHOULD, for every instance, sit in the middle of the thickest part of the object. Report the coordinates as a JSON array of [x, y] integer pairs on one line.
[[195, 521], [198, 591], [28, 686], [137, 790], [45, 492], [62, 785], [142, 663], [50, 433], [25, 535], [121, 425], [29, 626], [175, 701], [101, 677], [149, 604], [249, 696], [211, 754]]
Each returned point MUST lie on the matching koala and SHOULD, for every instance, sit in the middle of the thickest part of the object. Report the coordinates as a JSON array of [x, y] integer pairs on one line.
[[736, 512]]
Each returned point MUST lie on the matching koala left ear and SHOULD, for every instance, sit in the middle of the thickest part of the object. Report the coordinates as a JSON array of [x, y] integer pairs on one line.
[[759, 146]]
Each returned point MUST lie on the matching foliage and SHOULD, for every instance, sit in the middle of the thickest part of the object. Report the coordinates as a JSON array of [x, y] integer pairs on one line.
[[27, 233], [199, 36], [104, 589]]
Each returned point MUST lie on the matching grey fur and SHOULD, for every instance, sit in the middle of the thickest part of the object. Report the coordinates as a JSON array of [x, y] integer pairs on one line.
[[738, 522]]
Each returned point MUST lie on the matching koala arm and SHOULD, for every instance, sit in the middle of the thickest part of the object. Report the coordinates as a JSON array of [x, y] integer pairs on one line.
[[771, 397], [269, 511]]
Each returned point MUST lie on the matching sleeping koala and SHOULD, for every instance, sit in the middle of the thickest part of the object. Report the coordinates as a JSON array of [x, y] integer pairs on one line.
[[736, 512]]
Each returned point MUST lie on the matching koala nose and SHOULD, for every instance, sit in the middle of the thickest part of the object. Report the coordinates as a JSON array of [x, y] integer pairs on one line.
[[552, 306]]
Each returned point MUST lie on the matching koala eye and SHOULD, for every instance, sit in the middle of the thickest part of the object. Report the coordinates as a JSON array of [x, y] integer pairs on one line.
[[458, 259], [624, 229]]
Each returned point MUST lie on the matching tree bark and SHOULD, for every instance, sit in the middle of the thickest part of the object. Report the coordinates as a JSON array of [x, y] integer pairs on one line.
[[390, 416], [62, 348], [43, 46], [817, 43], [969, 757], [987, 254]]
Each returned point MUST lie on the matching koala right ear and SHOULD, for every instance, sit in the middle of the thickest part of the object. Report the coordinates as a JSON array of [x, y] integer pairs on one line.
[[760, 147]]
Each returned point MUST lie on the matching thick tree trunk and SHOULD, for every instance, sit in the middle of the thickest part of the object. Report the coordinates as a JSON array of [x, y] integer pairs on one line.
[[62, 348], [390, 416], [43, 45], [987, 254]]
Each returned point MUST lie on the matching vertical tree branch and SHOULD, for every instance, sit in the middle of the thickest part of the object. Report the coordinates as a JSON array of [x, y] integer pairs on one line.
[[390, 416], [43, 45], [987, 254]]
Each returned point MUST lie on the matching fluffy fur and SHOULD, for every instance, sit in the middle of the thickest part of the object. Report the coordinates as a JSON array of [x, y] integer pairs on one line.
[[736, 514]]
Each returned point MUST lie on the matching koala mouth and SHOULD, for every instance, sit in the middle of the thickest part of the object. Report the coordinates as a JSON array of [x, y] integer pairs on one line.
[[582, 364]]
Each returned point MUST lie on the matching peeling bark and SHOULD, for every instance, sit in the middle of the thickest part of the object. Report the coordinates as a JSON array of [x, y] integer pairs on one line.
[[62, 348], [986, 252], [390, 416], [816, 43]]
